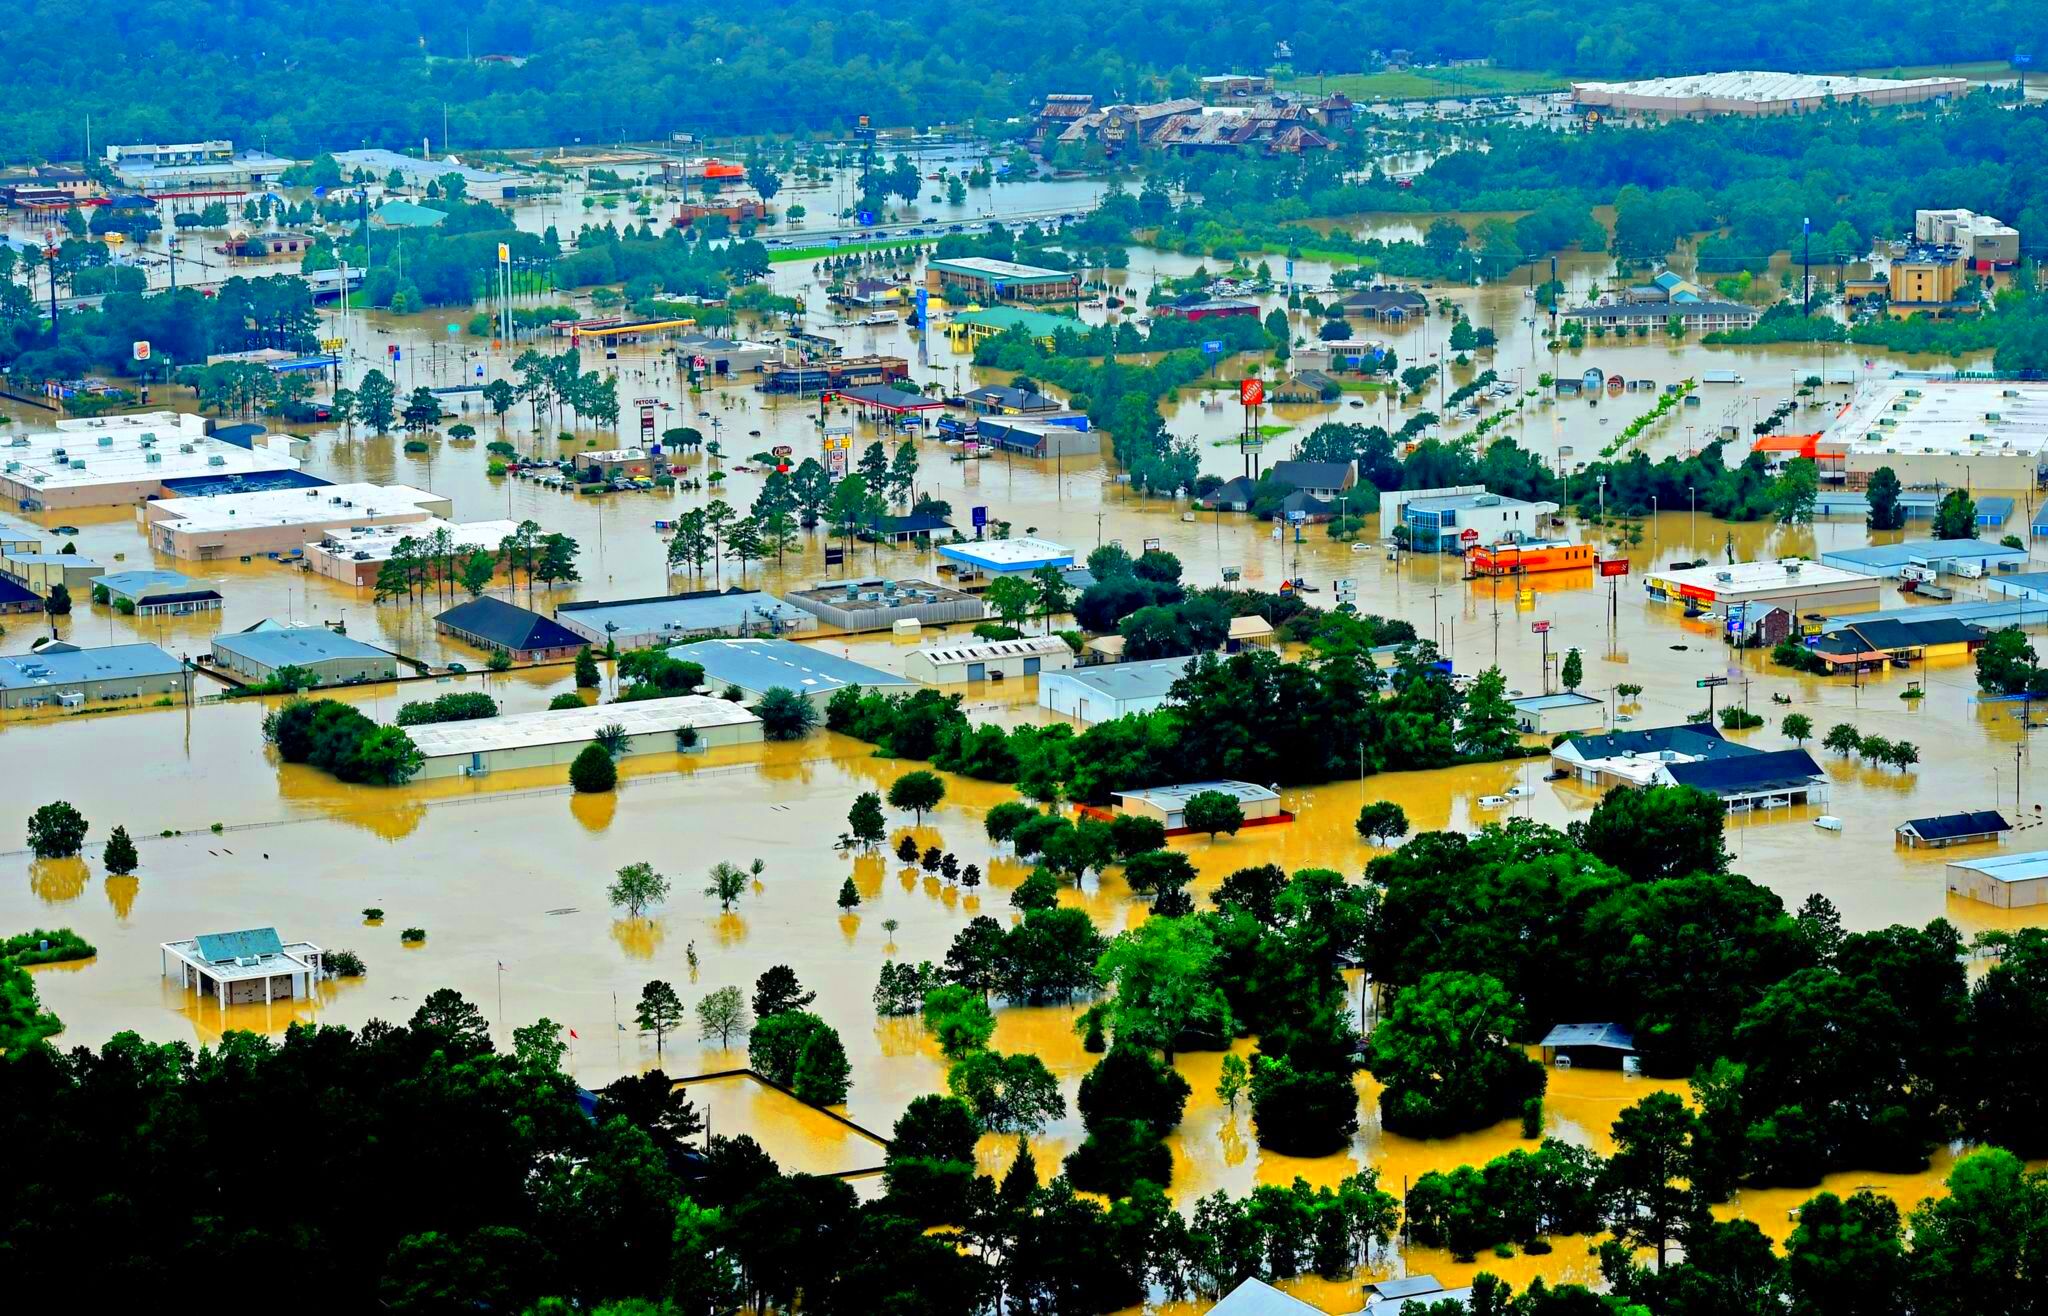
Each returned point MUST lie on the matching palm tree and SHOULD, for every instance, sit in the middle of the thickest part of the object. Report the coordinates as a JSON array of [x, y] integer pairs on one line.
[[611, 739]]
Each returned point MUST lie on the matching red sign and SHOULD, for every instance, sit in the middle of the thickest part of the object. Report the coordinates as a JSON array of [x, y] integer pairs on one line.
[[1539, 627], [1468, 536], [1614, 566], [1252, 392]]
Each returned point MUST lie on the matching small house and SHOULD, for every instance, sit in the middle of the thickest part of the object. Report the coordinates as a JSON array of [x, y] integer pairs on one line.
[[527, 636], [1948, 829], [243, 968], [1594, 1046]]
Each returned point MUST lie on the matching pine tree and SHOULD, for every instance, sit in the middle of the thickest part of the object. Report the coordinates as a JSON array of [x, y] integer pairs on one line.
[[119, 855]]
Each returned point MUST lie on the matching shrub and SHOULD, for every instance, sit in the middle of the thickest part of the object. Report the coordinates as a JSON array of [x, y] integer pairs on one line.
[[340, 739], [373, 914], [466, 707], [63, 945], [593, 772], [413, 936], [785, 714], [565, 700], [119, 856], [345, 963]]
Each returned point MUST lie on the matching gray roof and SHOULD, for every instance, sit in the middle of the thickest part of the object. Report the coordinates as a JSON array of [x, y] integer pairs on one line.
[[1933, 550], [704, 610], [215, 947], [1312, 475], [1255, 1297], [287, 646], [144, 584], [1562, 699], [763, 664], [1406, 1287], [67, 664], [1608, 1037], [1142, 680], [2024, 867]]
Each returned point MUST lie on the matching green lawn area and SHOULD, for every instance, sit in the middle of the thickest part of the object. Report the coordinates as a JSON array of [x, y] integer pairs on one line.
[[1984, 70], [1423, 84], [780, 255]]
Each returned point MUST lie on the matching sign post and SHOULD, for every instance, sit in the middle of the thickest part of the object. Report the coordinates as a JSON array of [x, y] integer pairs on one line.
[[1542, 628], [1251, 395], [1710, 684]]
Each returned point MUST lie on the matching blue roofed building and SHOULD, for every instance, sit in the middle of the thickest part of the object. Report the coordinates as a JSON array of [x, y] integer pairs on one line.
[[1766, 779], [1007, 557], [65, 674], [493, 624], [1948, 829], [256, 654], [1695, 755], [757, 666], [243, 968], [154, 593]]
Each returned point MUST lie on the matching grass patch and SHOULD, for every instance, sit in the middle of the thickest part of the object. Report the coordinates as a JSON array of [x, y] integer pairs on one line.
[[26, 947], [784, 255], [1428, 84]]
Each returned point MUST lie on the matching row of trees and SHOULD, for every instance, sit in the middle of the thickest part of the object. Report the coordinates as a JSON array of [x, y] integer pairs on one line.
[[436, 563]]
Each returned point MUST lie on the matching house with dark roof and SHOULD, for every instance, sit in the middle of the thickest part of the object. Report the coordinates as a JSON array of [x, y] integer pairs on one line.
[[906, 529], [1597, 1046], [1233, 495], [1391, 305], [490, 623], [1873, 643], [1002, 400], [1325, 480], [1948, 829], [1766, 779], [16, 597]]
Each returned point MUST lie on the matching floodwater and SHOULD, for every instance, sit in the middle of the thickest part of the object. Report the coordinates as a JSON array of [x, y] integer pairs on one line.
[[507, 874]]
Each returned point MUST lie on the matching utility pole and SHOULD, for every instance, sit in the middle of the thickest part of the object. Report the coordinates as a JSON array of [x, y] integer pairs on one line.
[[1806, 267]]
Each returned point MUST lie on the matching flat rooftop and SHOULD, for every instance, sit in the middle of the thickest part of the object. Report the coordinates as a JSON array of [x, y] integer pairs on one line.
[[272, 508], [63, 664], [150, 446], [704, 611], [876, 594], [1933, 551], [1744, 577], [2008, 867], [763, 664], [991, 268], [981, 651], [376, 543], [1944, 417], [1010, 554], [144, 584], [1562, 699], [1141, 680], [1174, 797], [1761, 86], [285, 646], [565, 726]]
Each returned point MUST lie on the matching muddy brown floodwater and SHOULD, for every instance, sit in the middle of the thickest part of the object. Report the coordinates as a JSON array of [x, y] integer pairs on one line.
[[507, 873]]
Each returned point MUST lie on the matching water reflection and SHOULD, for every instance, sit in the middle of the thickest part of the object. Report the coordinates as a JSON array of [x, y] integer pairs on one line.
[[121, 893], [57, 881]]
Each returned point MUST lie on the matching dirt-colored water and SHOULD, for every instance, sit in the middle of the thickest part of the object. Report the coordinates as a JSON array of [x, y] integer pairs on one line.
[[507, 874]]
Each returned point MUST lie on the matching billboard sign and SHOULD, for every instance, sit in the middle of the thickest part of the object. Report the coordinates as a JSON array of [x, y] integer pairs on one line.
[[978, 517], [140, 349], [1614, 566], [1252, 392], [1539, 627], [1212, 346]]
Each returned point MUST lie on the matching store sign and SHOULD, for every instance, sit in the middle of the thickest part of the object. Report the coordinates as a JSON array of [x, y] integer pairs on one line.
[[1614, 566], [1252, 392]]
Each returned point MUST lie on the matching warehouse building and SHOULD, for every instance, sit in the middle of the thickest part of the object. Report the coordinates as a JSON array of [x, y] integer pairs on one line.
[[493, 624], [1944, 434], [157, 593], [556, 736], [257, 653], [755, 667], [1798, 585], [108, 461], [477, 184], [1110, 690], [646, 623], [357, 555], [877, 604], [1168, 804], [1060, 435], [984, 279], [1971, 558], [195, 169], [1752, 93], [63, 673], [1549, 715], [988, 660], [281, 521], [39, 573], [2013, 881]]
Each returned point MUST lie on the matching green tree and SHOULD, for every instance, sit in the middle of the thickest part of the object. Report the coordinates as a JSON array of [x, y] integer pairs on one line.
[[1792, 494], [785, 714], [1656, 832], [376, 401], [801, 1052], [918, 791], [56, 831], [1213, 812], [1007, 1093], [1011, 598], [1645, 1177], [1163, 979], [865, 820], [849, 896], [721, 1014], [637, 886], [1846, 1257], [959, 1019], [593, 772], [1232, 1081], [422, 410], [1843, 738], [587, 676], [728, 883], [1886, 512], [1956, 517], [777, 991], [1797, 727], [1573, 673], [660, 1012], [1445, 1057], [1381, 821], [119, 853], [1487, 728]]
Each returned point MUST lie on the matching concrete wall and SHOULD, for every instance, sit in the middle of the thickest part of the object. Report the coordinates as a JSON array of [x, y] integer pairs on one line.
[[918, 666], [174, 684], [1063, 694], [1990, 891], [541, 756]]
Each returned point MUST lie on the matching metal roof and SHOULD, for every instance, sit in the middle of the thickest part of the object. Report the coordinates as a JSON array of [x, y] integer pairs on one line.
[[760, 665], [138, 585], [1562, 699], [1932, 550], [1606, 1036], [1948, 826], [1696, 738], [2008, 867], [1255, 1297], [1174, 797], [1010, 554], [287, 646], [1772, 769], [987, 267], [218, 946], [508, 626], [569, 725], [65, 664], [1142, 680], [1028, 647], [704, 610]]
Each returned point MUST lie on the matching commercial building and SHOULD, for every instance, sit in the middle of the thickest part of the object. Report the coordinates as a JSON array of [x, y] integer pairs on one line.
[[1799, 585], [1197, 311], [110, 460], [1751, 93], [988, 660], [39, 573], [356, 555], [243, 968], [1549, 715], [1766, 779], [671, 619], [477, 184], [1944, 830], [1110, 690], [18, 538], [803, 377], [493, 624], [17, 599], [725, 356], [1391, 1297], [1007, 557], [1529, 557], [220, 526], [1981, 241], [986, 279], [1057, 435], [2014, 881], [1942, 434], [158, 593], [1168, 804], [1970, 558], [1043, 327], [197, 169], [612, 463], [1002, 400], [408, 214], [557, 736], [1386, 305], [877, 604], [1928, 281], [1872, 644], [1453, 518], [256, 654], [758, 666], [1623, 315], [63, 673], [1633, 758]]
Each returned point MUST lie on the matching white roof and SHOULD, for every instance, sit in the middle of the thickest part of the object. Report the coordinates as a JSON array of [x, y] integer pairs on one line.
[[1763, 86], [615, 455], [375, 543], [326, 504], [1744, 577], [981, 651], [568, 725], [118, 450], [1174, 797], [1009, 552], [2008, 867], [1945, 417]]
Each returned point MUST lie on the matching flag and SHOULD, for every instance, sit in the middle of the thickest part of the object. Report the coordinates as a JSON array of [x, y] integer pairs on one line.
[[573, 1033], [501, 966]]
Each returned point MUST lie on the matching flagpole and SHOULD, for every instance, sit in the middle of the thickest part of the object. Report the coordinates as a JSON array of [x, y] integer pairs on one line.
[[501, 996]]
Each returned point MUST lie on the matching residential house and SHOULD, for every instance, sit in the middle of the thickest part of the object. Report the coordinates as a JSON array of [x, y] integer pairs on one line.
[[1944, 830], [493, 624]]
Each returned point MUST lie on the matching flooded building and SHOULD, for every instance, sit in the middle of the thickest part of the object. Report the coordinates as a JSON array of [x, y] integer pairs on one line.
[[477, 184], [2015, 881], [1042, 327], [556, 736], [1751, 92], [17, 598], [1633, 758], [1254, 1297], [1455, 518], [68, 675], [1981, 241], [1948, 829], [1597, 1045], [242, 968], [210, 168], [1943, 434], [157, 593], [1386, 305], [1110, 690], [670, 619], [1753, 779], [1969, 558], [988, 660], [1392, 1297], [206, 529], [1060, 434], [986, 279], [1798, 585], [1168, 804], [1003, 400], [494, 625], [1007, 557], [1549, 715], [877, 603], [355, 556], [1621, 314], [257, 653], [113, 460], [39, 573], [755, 667]]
